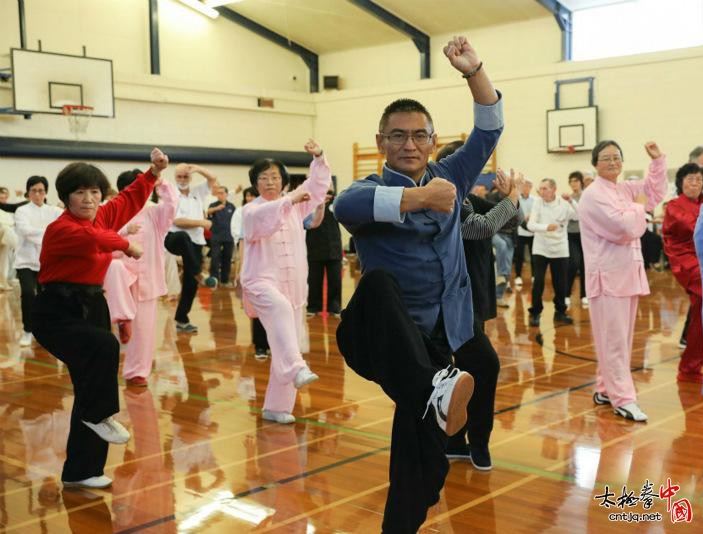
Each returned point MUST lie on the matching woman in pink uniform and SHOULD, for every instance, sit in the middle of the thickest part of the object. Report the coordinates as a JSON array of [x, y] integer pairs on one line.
[[611, 216], [275, 270], [132, 286]]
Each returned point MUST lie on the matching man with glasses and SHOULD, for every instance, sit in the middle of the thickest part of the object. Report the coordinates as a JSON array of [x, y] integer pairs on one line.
[[31, 221], [412, 308]]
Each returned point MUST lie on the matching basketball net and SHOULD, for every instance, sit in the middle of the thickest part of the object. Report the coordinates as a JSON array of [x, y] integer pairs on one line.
[[78, 118]]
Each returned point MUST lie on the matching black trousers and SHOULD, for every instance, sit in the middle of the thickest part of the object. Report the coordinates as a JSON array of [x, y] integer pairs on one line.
[[179, 244], [221, 259], [522, 242], [380, 341], [576, 265], [28, 289], [77, 331], [478, 358], [258, 335], [316, 274], [559, 268]]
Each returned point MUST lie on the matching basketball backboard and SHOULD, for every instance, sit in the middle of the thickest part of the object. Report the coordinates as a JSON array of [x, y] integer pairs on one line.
[[572, 129]]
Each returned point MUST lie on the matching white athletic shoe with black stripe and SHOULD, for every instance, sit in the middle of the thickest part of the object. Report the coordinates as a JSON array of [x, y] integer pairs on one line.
[[452, 391], [600, 398], [631, 411]]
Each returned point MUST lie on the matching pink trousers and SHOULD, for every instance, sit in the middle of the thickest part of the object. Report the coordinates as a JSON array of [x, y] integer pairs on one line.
[[284, 327], [613, 325], [120, 293]]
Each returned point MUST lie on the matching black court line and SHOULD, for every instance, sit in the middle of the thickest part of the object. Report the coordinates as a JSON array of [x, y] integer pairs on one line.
[[259, 489], [358, 457]]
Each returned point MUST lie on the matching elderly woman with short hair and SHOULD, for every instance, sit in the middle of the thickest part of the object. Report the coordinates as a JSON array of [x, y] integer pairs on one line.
[[679, 224]]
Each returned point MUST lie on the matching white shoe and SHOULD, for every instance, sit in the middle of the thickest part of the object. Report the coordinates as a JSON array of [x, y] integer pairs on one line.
[[92, 482], [109, 430], [518, 281], [26, 339], [452, 391], [279, 417], [584, 302], [567, 301], [304, 377], [631, 411]]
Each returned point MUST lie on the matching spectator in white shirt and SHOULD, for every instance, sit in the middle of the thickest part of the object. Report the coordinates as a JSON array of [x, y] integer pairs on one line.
[[549, 218], [187, 236], [524, 236], [31, 221]]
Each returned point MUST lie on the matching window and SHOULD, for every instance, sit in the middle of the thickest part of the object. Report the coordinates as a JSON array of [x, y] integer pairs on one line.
[[636, 27]]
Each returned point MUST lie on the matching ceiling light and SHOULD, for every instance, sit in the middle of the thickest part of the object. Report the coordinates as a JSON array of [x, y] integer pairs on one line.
[[215, 3], [201, 8]]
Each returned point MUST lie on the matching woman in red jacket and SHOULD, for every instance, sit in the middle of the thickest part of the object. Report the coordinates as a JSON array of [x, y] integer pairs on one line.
[[70, 313], [679, 223]]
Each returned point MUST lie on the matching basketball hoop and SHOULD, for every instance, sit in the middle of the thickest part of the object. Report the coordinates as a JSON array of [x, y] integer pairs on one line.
[[78, 118]]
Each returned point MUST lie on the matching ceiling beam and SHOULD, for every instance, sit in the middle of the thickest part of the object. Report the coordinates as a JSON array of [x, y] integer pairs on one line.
[[154, 53], [563, 15], [421, 39], [310, 58]]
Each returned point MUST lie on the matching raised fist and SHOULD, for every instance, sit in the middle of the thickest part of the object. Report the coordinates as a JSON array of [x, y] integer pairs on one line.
[[312, 148], [159, 160], [461, 54]]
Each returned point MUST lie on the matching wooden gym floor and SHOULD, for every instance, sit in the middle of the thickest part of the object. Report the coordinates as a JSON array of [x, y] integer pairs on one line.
[[202, 460]]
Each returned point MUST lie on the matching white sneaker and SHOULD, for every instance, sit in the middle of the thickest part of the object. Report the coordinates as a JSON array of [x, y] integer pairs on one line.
[[584, 302], [279, 417], [26, 339], [452, 391], [631, 411], [109, 430], [567, 301], [304, 377], [92, 482], [518, 281]]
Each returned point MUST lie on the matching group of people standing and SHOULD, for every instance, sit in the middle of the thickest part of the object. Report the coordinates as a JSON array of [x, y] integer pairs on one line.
[[415, 323]]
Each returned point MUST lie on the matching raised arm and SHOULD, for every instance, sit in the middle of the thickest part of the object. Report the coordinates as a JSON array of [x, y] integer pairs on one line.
[[165, 211], [654, 186], [488, 217], [318, 181], [117, 212]]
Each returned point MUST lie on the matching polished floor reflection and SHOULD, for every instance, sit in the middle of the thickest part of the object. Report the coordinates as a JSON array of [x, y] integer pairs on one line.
[[202, 460]]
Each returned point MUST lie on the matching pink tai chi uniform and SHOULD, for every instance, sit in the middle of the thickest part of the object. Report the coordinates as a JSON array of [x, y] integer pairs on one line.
[[132, 287], [274, 278], [611, 226]]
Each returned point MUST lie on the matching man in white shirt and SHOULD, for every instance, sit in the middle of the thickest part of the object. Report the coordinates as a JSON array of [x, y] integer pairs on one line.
[[549, 218], [31, 221], [524, 236], [187, 236]]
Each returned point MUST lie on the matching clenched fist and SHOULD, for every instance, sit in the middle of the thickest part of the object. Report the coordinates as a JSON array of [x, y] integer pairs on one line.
[[159, 161], [440, 195]]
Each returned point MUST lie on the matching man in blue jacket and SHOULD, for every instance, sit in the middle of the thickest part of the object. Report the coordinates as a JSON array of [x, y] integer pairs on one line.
[[412, 308]]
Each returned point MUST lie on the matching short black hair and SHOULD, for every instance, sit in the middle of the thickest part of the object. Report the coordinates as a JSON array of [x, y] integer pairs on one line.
[[685, 170], [402, 105], [34, 180], [224, 187], [599, 148], [251, 191], [576, 175], [77, 175], [448, 150], [126, 178], [260, 165]]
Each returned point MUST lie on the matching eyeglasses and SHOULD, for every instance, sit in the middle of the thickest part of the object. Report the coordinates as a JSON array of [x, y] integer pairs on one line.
[[610, 159], [268, 179], [420, 137]]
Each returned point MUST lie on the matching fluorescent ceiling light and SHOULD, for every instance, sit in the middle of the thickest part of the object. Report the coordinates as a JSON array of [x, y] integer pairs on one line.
[[215, 3], [201, 8]]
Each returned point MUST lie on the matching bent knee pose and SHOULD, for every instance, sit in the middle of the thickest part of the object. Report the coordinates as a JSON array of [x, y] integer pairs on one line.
[[133, 285], [412, 307], [275, 269], [70, 315]]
